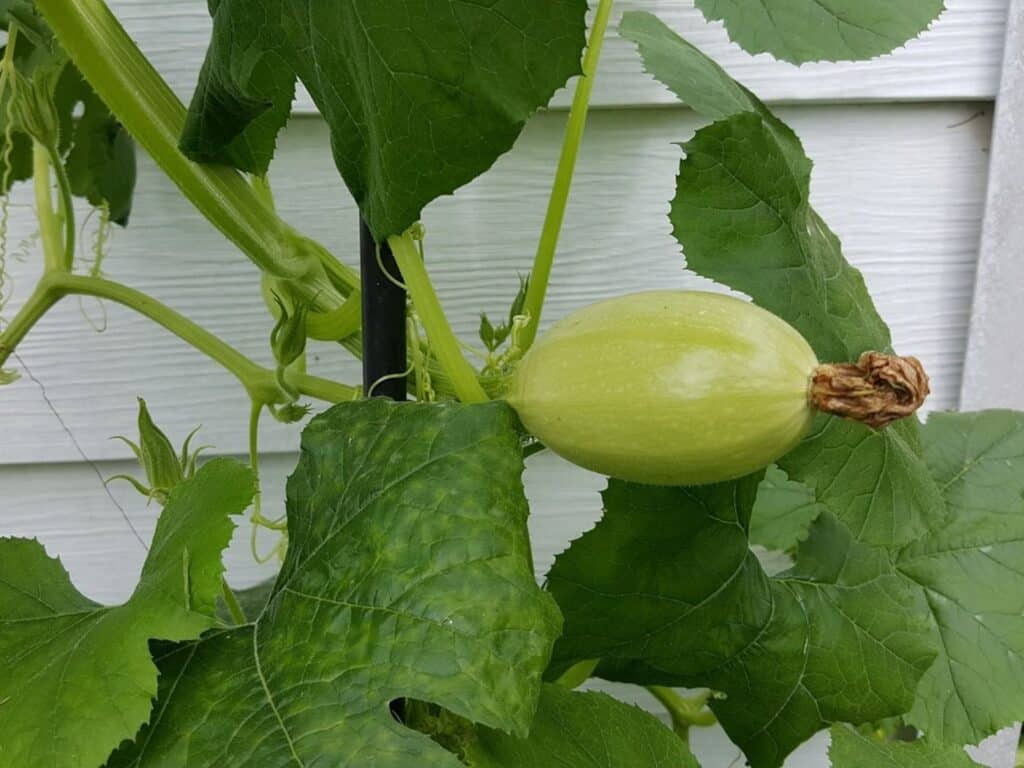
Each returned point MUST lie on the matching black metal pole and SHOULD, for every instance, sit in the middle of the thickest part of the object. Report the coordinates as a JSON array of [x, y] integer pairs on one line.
[[384, 353]]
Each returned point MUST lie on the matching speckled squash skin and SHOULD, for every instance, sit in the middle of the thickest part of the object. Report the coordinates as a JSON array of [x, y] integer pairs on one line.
[[668, 388]]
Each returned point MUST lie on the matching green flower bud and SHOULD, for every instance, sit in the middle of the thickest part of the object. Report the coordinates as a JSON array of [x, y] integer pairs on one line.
[[34, 110], [488, 333], [288, 339], [159, 458], [291, 413], [164, 467]]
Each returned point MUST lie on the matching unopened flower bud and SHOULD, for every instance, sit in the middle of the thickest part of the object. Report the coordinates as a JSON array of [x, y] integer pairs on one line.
[[288, 339], [291, 413], [34, 110], [159, 459]]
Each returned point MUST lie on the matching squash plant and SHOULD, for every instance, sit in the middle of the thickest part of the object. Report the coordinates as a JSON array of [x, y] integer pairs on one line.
[[406, 627]]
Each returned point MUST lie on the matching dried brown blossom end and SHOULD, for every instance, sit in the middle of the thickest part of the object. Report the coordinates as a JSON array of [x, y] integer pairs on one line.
[[877, 391]]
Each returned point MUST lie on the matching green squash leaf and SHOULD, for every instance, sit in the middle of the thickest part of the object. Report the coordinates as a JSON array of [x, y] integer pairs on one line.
[[851, 749], [661, 561], [783, 512], [802, 276], [408, 574], [874, 481], [583, 730], [799, 31], [972, 572], [696, 79], [420, 97], [778, 251], [867, 646], [751, 227], [665, 591], [83, 669], [101, 155]]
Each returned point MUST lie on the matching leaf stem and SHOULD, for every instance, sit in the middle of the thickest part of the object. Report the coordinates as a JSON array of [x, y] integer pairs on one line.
[[49, 224], [37, 305], [245, 370], [578, 674], [443, 342], [231, 601], [255, 411], [685, 713], [338, 324], [259, 382], [319, 388], [540, 276], [261, 186], [66, 207]]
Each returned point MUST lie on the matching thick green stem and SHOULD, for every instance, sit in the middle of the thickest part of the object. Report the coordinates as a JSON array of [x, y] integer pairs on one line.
[[137, 95], [49, 224], [66, 207], [258, 381], [685, 713], [38, 304], [255, 411], [338, 324], [261, 186], [322, 389], [443, 343], [245, 370], [540, 276]]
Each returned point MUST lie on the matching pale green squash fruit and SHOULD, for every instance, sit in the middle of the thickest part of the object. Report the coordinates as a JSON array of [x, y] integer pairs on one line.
[[668, 388]]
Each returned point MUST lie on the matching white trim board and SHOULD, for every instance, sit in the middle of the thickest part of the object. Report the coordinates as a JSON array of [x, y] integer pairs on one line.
[[994, 367], [993, 374]]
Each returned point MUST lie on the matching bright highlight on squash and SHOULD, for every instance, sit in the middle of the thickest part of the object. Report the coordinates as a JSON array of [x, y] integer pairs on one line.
[[690, 388]]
